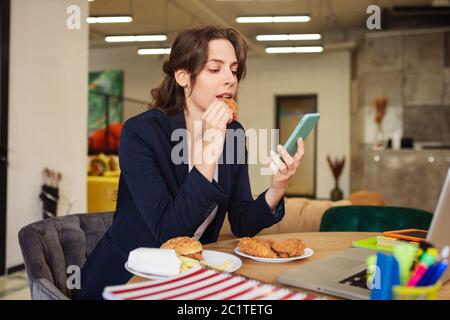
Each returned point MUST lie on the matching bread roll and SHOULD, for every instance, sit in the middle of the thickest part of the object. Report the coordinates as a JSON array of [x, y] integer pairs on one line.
[[185, 246]]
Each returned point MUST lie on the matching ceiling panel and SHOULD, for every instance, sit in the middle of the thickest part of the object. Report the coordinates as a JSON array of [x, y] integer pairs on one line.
[[172, 16]]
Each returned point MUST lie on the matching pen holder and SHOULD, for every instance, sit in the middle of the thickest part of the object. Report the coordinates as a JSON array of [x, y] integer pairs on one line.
[[416, 293]]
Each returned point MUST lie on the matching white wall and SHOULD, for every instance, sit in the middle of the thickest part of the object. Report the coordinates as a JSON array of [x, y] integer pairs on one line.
[[47, 110], [326, 74], [141, 73]]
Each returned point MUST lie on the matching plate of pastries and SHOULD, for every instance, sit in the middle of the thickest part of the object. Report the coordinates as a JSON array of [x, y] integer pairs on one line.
[[271, 250]]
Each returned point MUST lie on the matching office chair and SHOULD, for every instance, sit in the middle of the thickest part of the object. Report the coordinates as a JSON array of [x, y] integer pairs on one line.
[[50, 246]]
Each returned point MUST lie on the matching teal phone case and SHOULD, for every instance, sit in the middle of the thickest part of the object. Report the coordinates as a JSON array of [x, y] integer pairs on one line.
[[303, 129]]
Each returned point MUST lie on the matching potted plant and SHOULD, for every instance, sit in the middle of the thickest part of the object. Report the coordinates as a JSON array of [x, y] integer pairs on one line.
[[380, 110], [336, 167]]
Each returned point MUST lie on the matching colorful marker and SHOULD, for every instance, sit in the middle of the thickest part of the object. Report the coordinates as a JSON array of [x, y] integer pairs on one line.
[[426, 261], [442, 266]]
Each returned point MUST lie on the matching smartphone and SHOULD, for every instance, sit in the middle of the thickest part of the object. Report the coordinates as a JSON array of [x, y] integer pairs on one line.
[[416, 235], [303, 129]]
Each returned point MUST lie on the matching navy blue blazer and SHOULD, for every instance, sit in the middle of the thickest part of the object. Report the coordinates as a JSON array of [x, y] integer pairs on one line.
[[158, 200]]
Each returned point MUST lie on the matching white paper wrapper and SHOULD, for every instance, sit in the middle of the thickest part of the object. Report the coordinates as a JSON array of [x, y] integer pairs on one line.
[[154, 261]]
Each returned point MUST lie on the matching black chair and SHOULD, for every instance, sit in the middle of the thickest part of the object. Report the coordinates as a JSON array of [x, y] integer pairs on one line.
[[50, 246]]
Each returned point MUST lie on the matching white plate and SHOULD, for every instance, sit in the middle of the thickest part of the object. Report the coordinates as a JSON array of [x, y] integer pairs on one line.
[[217, 258], [142, 274], [307, 253], [212, 258]]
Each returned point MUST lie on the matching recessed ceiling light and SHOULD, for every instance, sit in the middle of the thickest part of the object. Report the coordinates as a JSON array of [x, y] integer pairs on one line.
[[288, 37], [111, 19], [136, 38], [154, 51], [271, 19], [304, 49]]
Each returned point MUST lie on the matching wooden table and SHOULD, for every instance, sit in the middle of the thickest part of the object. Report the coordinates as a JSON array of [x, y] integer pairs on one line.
[[324, 244]]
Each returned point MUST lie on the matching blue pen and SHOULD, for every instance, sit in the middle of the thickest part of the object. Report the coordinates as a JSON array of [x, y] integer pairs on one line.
[[442, 266], [439, 272]]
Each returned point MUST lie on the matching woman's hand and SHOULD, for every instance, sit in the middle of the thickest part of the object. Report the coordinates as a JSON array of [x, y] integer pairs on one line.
[[214, 126], [282, 172]]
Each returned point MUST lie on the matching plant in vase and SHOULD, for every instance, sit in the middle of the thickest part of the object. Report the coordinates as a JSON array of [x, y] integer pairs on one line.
[[380, 110], [336, 167]]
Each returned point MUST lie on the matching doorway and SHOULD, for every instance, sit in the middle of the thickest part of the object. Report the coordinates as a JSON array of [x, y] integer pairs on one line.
[[289, 110]]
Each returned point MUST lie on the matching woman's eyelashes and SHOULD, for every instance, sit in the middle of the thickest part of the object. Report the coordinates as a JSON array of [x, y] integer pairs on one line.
[[234, 72]]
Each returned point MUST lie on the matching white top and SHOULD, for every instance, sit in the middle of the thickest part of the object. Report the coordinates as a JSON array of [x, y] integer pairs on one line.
[[210, 218]]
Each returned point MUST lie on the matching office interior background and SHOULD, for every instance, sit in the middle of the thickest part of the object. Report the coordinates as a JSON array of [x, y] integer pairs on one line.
[[378, 72]]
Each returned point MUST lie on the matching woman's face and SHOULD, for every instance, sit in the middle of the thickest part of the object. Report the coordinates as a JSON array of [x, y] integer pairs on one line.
[[218, 79]]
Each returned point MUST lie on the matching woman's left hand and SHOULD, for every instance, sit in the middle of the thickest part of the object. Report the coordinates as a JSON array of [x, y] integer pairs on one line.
[[284, 170]]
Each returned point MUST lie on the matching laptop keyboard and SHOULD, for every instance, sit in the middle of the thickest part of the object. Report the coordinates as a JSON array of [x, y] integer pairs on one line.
[[357, 280]]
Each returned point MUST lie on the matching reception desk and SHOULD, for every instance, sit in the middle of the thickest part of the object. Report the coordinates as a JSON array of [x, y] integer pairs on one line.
[[102, 193]]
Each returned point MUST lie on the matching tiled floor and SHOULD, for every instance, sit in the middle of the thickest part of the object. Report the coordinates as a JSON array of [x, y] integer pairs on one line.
[[14, 287]]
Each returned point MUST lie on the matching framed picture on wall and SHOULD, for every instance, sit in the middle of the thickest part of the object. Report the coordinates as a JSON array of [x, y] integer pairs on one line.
[[105, 82], [289, 110], [105, 114]]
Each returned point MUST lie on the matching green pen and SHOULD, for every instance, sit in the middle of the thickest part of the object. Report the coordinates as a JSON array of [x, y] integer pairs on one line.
[[405, 255]]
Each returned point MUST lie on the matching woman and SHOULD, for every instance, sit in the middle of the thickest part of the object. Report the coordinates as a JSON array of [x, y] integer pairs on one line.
[[161, 197]]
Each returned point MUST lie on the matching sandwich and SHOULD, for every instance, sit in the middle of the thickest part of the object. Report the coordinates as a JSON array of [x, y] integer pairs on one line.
[[186, 247], [189, 252]]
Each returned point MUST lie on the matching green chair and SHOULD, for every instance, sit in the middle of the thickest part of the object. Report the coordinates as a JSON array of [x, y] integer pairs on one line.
[[374, 219]]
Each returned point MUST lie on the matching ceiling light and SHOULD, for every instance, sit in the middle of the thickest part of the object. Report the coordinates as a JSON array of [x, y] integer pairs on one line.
[[288, 37], [270, 19], [117, 19], [155, 37], [137, 38], [304, 49], [154, 51]]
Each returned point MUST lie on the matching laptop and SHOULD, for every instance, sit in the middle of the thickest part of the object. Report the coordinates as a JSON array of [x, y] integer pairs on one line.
[[344, 274]]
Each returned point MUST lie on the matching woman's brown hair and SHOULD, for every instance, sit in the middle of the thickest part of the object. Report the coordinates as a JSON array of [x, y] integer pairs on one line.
[[190, 52]]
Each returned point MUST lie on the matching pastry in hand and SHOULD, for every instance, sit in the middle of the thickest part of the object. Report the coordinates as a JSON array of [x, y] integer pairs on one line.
[[233, 106]]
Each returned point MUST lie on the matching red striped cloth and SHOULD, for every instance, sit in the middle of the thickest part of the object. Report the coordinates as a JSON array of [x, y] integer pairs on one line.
[[202, 284]]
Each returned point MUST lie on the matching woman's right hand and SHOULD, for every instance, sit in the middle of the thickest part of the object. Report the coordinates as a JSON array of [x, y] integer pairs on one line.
[[214, 124]]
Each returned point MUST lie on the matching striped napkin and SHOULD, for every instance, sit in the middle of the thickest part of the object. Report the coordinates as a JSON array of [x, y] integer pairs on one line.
[[200, 283]]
